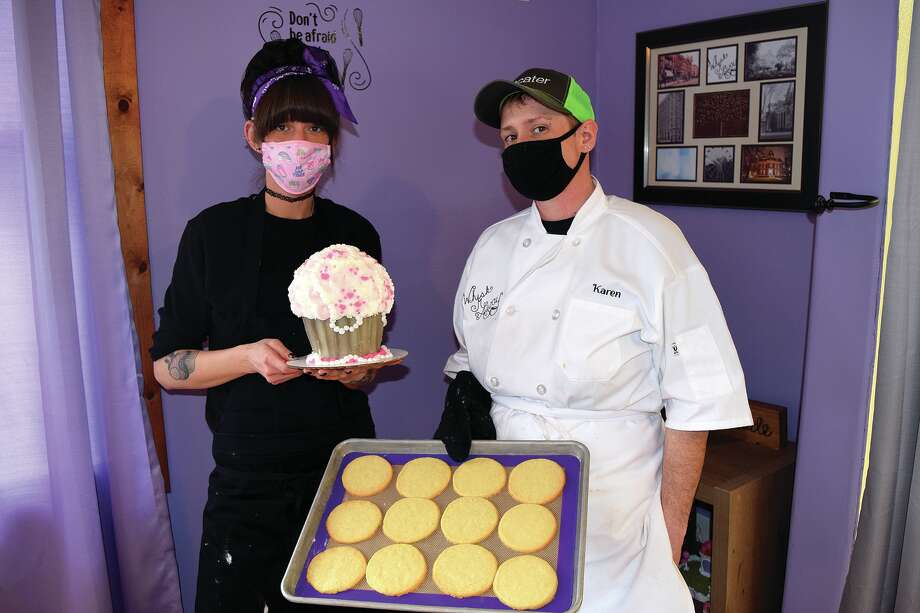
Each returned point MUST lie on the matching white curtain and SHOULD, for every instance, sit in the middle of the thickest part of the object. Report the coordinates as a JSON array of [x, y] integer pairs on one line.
[[884, 574], [83, 517]]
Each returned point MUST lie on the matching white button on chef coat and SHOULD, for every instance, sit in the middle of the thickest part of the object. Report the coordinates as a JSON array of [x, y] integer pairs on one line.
[[629, 290]]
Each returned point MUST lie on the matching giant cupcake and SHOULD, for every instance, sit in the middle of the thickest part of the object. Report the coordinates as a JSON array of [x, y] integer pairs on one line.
[[343, 296]]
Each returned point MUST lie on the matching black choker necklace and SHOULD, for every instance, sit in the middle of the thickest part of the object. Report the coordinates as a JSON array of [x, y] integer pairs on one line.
[[287, 198]]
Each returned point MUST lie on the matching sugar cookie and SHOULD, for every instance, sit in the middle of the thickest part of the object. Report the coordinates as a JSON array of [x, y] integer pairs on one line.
[[367, 475], [469, 520], [527, 528], [354, 521], [483, 477], [396, 570], [411, 519], [423, 478], [525, 582], [538, 481], [335, 570], [464, 570]]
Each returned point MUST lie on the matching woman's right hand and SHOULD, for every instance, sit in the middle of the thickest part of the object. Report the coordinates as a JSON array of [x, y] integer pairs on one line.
[[269, 357]]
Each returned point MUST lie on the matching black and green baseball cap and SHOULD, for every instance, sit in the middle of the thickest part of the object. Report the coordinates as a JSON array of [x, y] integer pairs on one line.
[[550, 88]]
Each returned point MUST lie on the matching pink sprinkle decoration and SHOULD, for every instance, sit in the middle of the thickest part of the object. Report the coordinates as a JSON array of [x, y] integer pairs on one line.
[[380, 352]]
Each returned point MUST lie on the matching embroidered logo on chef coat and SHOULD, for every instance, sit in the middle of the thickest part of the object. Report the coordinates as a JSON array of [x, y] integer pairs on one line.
[[483, 302], [600, 289]]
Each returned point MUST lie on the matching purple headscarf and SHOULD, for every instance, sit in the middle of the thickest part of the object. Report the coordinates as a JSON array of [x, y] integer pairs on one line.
[[318, 68]]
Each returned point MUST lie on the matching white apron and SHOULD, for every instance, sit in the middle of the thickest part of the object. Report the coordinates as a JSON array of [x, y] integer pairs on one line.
[[585, 337], [628, 563]]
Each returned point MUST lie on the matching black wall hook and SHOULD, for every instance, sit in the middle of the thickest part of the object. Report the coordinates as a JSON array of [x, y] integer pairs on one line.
[[844, 200]]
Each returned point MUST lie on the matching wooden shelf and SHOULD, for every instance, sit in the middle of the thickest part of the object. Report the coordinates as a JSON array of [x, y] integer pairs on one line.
[[750, 490]]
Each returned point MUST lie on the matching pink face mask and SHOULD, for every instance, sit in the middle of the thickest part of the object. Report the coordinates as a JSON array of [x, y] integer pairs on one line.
[[296, 165]]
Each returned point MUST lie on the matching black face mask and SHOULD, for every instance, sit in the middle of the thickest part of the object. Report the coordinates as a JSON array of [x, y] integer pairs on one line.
[[537, 169]]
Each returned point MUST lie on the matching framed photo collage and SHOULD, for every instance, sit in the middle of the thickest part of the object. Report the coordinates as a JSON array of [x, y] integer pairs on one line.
[[728, 111]]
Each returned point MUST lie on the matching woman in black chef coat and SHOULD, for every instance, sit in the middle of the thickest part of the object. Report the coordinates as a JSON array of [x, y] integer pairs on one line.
[[273, 427]]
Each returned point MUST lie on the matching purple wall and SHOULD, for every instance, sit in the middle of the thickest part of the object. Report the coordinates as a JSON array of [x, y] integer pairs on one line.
[[420, 170], [786, 309]]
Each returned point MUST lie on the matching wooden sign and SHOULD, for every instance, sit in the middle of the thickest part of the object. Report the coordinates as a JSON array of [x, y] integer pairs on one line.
[[769, 427]]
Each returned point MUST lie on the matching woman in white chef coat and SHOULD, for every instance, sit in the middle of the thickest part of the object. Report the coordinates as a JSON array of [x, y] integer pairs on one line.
[[583, 316]]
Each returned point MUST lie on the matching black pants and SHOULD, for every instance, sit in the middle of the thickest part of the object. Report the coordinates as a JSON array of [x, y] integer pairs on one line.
[[252, 521]]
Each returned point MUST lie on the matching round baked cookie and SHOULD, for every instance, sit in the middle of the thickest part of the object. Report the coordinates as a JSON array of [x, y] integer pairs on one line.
[[354, 521], [423, 478], [464, 570], [527, 528], [469, 520], [335, 570], [538, 481], [367, 475], [525, 582], [483, 477], [411, 519], [396, 570]]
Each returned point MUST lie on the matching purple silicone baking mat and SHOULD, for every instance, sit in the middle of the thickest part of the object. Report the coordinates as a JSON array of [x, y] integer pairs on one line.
[[565, 565]]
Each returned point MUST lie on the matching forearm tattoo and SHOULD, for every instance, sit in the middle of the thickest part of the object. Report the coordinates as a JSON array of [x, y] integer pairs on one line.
[[181, 364]]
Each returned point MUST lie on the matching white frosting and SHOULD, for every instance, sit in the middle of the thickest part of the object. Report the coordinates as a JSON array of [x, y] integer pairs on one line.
[[341, 281], [314, 360]]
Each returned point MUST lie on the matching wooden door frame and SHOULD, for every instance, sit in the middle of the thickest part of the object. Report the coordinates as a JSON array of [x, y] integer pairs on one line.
[[119, 65]]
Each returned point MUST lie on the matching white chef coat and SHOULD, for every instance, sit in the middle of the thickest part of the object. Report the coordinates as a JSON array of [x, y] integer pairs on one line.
[[586, 337]]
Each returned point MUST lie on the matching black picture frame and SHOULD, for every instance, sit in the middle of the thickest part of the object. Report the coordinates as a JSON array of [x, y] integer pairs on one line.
[[697, 36], [724, 170], [709, 81], [723, 120], [676, 148], [676, 136], [774, 135], [678, 84], [779, 163], [751, 46]]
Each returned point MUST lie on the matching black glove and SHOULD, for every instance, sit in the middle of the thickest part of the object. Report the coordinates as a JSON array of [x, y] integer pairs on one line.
[[466, 416]]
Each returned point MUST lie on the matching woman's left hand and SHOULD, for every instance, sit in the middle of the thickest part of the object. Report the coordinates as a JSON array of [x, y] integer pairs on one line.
[[353, 377]]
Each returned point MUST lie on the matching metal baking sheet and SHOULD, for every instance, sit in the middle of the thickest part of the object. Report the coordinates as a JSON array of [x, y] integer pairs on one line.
[[571, 509]]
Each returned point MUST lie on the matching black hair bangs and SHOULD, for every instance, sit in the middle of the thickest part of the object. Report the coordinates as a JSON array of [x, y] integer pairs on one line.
[[297, 98]]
